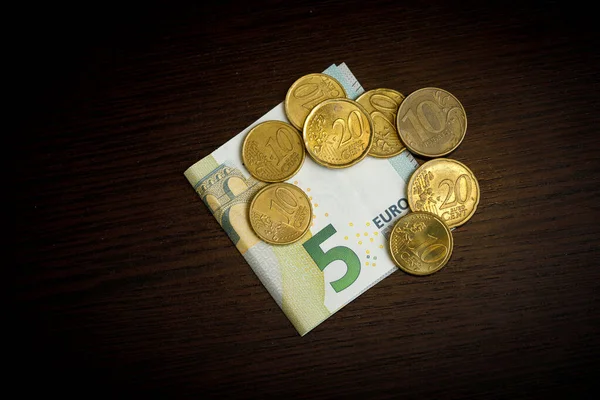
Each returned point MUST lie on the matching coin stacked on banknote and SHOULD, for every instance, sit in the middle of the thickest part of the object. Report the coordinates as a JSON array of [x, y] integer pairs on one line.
[[382, 106], [338, 132], [273, 152], [319, 234], [430, 122]]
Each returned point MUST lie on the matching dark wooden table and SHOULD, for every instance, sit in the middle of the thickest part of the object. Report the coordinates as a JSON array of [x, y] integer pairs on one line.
[[125, 283]]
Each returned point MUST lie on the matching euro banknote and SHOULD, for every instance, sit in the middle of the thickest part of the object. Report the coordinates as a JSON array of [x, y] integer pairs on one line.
[[345, 251]]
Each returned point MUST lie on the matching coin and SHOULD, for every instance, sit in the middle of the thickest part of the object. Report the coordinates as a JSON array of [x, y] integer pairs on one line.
[[420, 243], [382, 105], [446, 188], [431, 122], [338, 133], [273, 151], [306, 93], [280, 213]]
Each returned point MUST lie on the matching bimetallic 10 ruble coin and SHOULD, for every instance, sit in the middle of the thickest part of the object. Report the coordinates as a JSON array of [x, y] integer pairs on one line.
[[382, 105], [420, 243], [446, 188], [306, 93], [338, 133], [280, 213], [431, 122], [273, 151]]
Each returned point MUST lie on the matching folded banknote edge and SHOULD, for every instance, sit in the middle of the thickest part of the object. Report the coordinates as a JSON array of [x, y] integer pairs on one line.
[[197, 171], [375, 282]]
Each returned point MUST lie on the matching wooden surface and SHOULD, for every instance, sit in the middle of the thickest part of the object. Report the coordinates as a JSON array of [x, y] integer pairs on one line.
[[126, 284]]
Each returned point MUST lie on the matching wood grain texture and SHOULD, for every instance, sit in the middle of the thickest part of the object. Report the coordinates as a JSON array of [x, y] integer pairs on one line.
[[124, 281]]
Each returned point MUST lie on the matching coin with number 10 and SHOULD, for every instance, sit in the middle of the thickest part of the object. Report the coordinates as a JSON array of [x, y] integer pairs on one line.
[[280, 213], [273, 151], [431, 122]]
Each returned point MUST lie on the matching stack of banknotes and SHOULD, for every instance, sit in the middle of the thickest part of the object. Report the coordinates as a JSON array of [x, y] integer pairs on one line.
[[354, 210]]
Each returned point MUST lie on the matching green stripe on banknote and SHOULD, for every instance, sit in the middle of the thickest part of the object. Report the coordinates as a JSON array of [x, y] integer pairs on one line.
[[303, 299], [265, 265]]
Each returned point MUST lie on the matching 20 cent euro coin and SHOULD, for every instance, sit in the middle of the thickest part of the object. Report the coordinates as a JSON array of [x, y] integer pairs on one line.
[[444, 187], [306, 93], [382, 105], [338, 133]]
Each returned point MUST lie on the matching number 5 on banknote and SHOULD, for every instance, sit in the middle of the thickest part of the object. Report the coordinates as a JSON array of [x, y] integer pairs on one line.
[[324, 258]]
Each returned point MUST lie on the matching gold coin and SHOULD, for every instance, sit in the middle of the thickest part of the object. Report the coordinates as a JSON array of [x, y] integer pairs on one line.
[[280, 213], [431, 122], [306, 93], [382, 105], [446, 188], [421, 243], [338, 133], [273, 151]]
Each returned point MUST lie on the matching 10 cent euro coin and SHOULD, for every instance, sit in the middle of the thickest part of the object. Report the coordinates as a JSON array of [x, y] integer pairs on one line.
[[273, 151], [431, 122], [280, 213]]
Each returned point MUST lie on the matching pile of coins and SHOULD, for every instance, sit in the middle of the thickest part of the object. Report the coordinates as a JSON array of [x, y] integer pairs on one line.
[[338, 133]]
